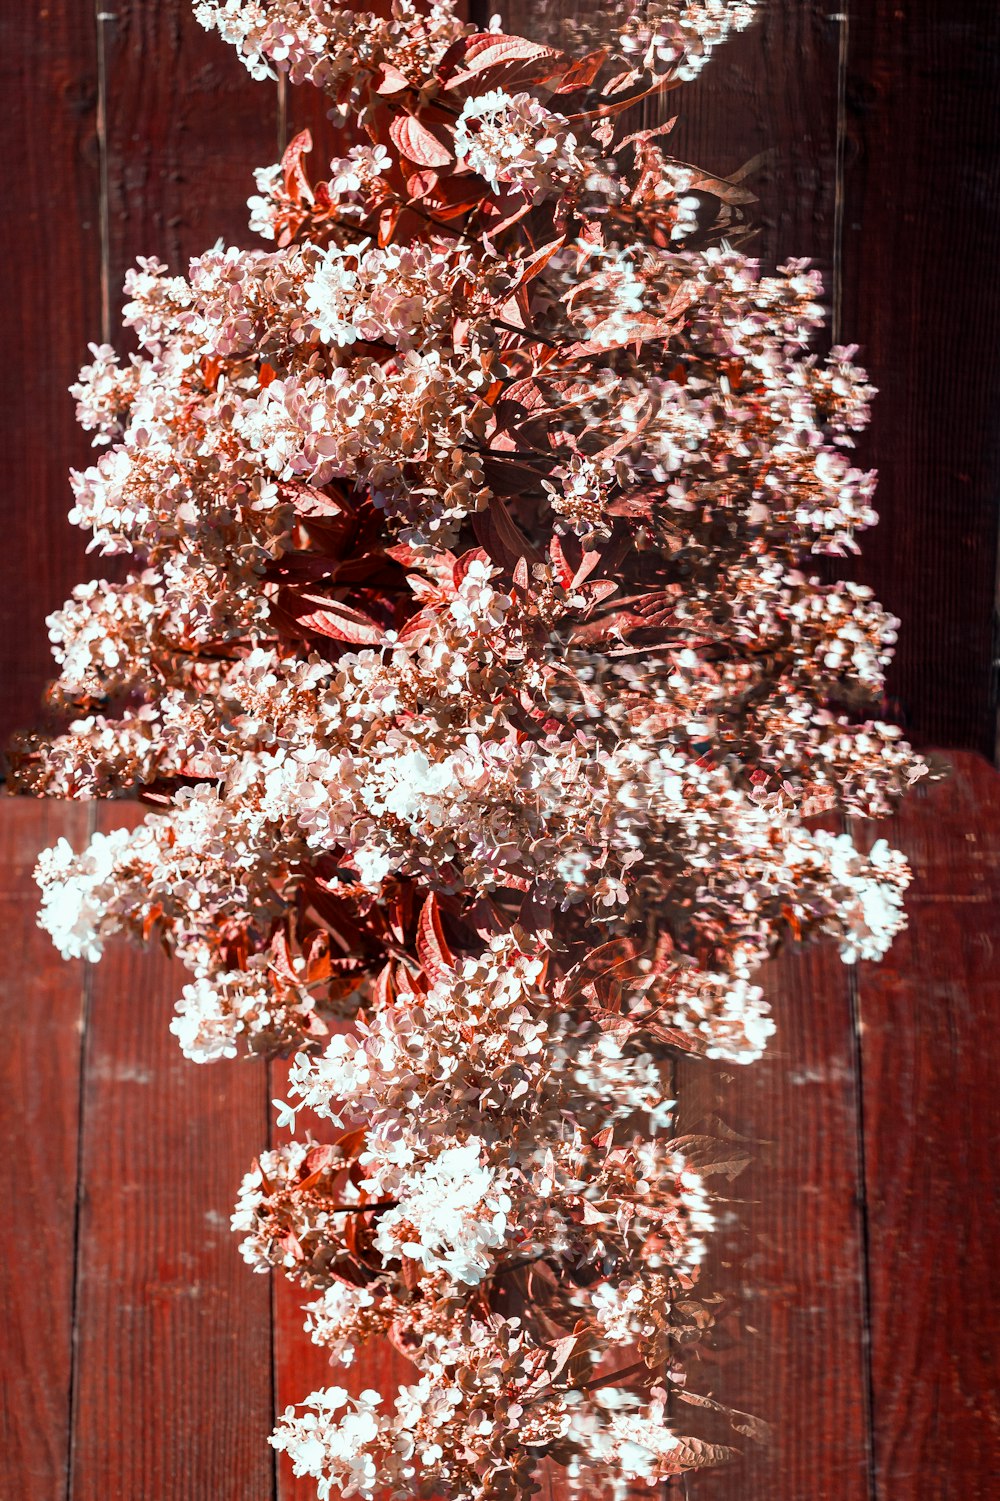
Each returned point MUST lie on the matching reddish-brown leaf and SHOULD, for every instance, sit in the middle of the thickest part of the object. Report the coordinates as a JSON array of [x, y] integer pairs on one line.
[[329, 617], [432, 946], [296, 183], [418, 144], [581, 73], [389, 80]]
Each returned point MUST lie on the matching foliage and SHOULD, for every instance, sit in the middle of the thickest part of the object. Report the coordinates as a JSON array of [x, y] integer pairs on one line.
[[471, 663]]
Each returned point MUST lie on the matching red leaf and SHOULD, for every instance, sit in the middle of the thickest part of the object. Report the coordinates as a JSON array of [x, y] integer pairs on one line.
[[462, 565], [535, 263], [389, 80], [588, 563], [488, 48], [422, 183], [296, 183], [564, 572], [383, 988], [329, 617], [598, 590], [581, 73], [387, 221], [432, 946], [493, 61], [562, 1349], [417, 143], [308, 501], [281, 956]]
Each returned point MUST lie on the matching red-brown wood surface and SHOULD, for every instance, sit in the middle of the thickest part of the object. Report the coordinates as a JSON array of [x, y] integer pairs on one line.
[[50, 252], [931, 1092], [41, 1016], [186, 126], [921, 283], [172, 1389]]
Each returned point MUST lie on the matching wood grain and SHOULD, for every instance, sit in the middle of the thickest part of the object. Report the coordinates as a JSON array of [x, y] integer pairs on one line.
[[186, 125], [922, 296], [931, 1081], [41, 1016], [50, 252], [173, 1386], [789, 1255]]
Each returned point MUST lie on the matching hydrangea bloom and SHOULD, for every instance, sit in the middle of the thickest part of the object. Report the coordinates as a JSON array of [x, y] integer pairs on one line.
[[472, 659]]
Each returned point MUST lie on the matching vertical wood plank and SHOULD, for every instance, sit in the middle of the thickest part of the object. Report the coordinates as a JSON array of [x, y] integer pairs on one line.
[[50, 251], [788, 1256], [931, 1076], [173, 1381], [922, 296], [186, 125], [41, 1019]]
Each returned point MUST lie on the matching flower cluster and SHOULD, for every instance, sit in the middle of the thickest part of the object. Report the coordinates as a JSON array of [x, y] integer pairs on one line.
[[495, 722]]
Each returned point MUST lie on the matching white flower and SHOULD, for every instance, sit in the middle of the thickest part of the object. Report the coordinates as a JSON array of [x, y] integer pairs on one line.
[[452, 1212], [76, 894], [512, 139]]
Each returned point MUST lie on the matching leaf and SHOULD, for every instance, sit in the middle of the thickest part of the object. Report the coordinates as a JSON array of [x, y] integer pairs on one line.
[[387, 221], [494, 61], [308, 501], [561, 1352], [599, 590], [462, 565], [641, 137], [742, 1422], [694, 1454], [581, 73], [329, 617], [535, 263], [501, 537], [418, 144], [720, 187], [487, 48], [421, 183], [389, 80], [707, 1154], [432, 947], [296, 182], [281, 957]]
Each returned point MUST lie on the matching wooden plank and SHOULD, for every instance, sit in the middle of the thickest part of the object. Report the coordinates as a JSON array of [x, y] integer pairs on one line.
[[50, 251], [931, 1080], [173, 1387], [41, 1016], [186, 125], [922, 296], [789, 1255]]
